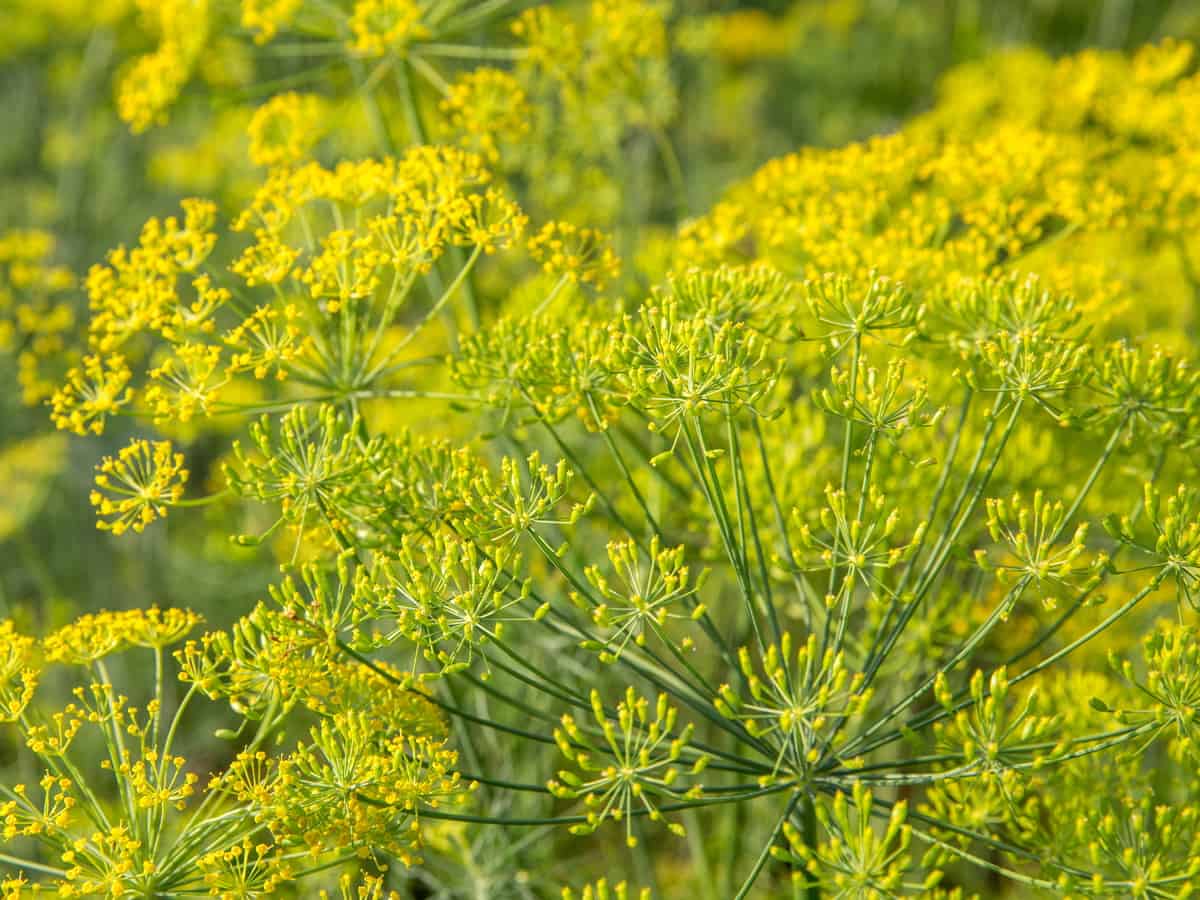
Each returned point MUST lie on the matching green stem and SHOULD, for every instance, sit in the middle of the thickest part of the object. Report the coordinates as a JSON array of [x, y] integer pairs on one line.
[[31, 866], [929, 576], [759, 863]]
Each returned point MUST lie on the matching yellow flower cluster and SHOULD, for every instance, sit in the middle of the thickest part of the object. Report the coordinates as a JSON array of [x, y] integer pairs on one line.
[[35, 318], [153, 81], [801, 333], [137, 289], [186, 383], [580, 255], [284, 129], [94, 636], [374, 693], [1135, 116], [137, 485], [632, 766], [133, 846], [137, 294], [265, 17], [21, 818], [385, 26], [266, 341], [93, 391], [245, 869], [918, 210], [333, 252], [1024, 163], [18, 675], [377, 757], [484, 109], [1144, 96], [354, 785]]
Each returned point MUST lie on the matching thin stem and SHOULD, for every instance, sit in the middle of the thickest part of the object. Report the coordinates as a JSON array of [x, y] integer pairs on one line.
[[463, 51], [945, 546], [766, 850], [621, 464], [31, 866]]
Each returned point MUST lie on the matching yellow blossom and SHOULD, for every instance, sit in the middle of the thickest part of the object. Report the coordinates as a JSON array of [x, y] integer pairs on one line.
[[93, 391], [285, 128], [138, 485], [383, 26]]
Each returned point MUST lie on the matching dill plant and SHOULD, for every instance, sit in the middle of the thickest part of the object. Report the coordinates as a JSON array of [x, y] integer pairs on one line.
[[802, 538]]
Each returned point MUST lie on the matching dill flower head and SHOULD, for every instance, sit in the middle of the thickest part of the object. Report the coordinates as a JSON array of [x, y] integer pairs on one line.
[[94, 636], [485, 108], [154, 81], [856, 860], [1173, 545], [447, 597], [1035, 543], [646, 588], [266, 341], [1171, 685], [171, 831], [245, 869], [285, 128], [18, 676], [354, 785], [631, 765], [136, 289], [150, 86], [157, 628], [137, 485], [311, 465], [35, 322], [581, 255], [796, 701], [267, 261], [380, 27], [489, 221], [186, 383], [95, 390], [264, 18], [90, 637]]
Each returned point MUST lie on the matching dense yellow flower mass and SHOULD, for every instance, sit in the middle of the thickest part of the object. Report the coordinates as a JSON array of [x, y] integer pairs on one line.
[[486, 108], [840, 523], [154, 80], [34, 318], [232, 833]]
